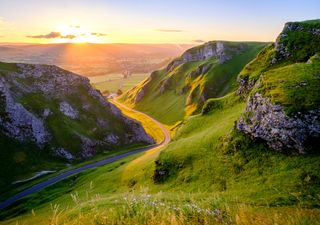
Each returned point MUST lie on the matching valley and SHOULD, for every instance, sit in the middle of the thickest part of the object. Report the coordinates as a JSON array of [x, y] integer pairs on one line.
[[90, 59], [206, 132]]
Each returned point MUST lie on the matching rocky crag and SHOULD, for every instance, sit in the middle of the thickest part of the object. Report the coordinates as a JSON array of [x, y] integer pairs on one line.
[[60, 112], [282, 89]]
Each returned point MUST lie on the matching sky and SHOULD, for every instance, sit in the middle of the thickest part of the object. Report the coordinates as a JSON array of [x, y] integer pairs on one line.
[[149, 21]]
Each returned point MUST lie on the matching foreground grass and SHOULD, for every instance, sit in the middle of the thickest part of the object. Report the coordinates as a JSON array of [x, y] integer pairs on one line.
[[81, 201]]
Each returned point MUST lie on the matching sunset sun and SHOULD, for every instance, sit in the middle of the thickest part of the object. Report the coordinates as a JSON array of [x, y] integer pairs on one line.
[[77, 34]]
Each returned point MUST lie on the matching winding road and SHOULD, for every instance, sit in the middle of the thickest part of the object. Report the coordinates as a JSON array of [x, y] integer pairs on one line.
[[69, 173]]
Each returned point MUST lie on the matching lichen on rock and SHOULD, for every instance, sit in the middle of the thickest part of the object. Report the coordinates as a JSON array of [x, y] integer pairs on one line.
[[60, 110], [263, 120], [18, 122], [68, 111], [217, 49]]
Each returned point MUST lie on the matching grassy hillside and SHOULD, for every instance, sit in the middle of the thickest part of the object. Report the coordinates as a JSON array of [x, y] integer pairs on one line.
[[239, 168], [182, 91], [204, 181]]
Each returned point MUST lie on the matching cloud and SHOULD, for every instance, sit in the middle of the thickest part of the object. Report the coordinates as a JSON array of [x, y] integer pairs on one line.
[[98, 34], [69, 36], [52, 35], [198, 41], [47, 36], [170, 30], [1, 36]]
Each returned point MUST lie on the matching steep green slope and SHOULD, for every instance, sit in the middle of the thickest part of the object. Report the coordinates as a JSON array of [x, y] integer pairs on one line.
[[208, 155], [50, 117], [203, 72]]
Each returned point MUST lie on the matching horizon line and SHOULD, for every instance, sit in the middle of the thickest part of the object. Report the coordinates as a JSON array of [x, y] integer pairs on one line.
[[133, 43]]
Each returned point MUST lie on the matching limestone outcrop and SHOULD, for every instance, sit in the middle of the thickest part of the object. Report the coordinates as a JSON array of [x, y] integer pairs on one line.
[[263, 120], [60, 111]]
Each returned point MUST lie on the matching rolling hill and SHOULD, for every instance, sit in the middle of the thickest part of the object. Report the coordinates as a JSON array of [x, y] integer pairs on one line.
[[202, 72]]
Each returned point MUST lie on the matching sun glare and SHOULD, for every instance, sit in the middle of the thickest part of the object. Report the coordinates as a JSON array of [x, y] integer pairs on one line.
[[77, 34]]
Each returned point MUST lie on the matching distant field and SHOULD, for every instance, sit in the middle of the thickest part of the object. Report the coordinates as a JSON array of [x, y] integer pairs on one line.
[[113, 82]]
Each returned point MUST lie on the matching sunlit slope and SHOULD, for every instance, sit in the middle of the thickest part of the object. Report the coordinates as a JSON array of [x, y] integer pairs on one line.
[[181, 89]]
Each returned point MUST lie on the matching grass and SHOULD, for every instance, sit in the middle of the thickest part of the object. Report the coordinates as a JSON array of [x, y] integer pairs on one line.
[[171, 111], [222, 78], [35, 162], [116, 81], [204, 158], [21, 160], [295, 87], [300, 44], [289, 81], [258, 65], [214, 177], [8, 67], [302, 39]]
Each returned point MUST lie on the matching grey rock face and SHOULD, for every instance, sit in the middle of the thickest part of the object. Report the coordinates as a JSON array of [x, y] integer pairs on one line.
[[202, 69], [88, 146], [264, 120], [48, 79], [46, 112], [138, 133], [112, 139], [208, 50], [140, 95], [61, 152], [245, 86], [165, 85], [68, 111], [19, 122], [53, 88]]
